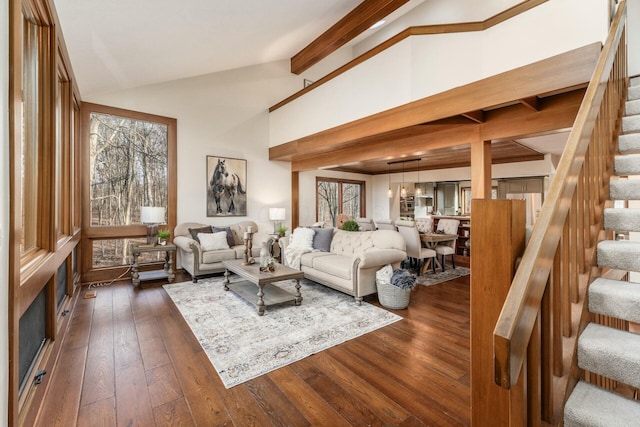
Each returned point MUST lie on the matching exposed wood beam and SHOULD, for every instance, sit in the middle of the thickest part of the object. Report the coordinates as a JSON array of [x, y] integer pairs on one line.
[[352, 25], [416, 31], [531, 102], [481, 170], [561, 71], [475, 116]]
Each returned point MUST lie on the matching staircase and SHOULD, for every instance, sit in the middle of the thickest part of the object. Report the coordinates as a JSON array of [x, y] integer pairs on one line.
[[606, 351]]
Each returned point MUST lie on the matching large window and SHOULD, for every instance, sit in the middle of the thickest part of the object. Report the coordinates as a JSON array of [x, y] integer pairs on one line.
[[129, 158], [336, 196]]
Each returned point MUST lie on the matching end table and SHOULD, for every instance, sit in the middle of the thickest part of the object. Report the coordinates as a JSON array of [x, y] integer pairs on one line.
[[165, 273]]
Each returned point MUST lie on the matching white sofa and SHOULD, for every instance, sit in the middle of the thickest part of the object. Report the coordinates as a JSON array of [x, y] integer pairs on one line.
[[199, 263], [353, 260]]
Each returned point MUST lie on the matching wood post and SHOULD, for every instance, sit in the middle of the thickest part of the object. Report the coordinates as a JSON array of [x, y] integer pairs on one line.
[[498, 230], [481, 170]]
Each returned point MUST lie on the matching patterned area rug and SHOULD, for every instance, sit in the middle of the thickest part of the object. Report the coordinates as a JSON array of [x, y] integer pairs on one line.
[[242, 345], [440, 276]]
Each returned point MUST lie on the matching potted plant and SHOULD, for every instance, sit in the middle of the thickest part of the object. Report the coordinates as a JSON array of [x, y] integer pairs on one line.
[[163, 235], [350, 225], [281, 230]]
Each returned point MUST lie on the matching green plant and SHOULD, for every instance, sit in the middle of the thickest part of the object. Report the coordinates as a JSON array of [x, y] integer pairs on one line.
[[350, 225], [281, 230], [164, 234]]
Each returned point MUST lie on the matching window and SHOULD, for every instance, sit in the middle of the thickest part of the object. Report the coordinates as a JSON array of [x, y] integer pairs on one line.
[[336, 196], [130, 156]]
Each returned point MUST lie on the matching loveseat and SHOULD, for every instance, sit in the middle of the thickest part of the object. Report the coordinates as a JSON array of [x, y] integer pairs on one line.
[[350, 263], [199, 262]]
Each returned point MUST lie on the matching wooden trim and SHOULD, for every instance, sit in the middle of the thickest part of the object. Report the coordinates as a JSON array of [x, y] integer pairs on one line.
[[295, 200], [346, 29], [415, 31], [562, 71]]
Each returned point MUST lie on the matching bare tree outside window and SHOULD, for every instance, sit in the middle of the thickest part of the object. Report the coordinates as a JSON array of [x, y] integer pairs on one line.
[[338, 196], [128, 169]]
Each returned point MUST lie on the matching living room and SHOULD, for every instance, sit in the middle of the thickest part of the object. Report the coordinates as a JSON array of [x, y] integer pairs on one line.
[[225, 114]]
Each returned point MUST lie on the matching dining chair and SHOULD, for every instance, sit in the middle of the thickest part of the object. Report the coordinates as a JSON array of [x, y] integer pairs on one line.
[[424, 224], [365, 224], [415, 250], [385, 224], [447, 226]]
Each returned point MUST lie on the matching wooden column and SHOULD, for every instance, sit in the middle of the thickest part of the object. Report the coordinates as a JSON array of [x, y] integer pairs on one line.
[[295, 200], [481, 170], [498, 230]]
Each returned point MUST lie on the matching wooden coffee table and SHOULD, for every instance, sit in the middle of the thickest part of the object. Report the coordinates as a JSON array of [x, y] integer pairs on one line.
[[268, 293]]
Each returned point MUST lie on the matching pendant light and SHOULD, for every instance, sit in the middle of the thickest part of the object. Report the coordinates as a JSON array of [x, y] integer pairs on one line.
[[403, 192], [418, 188], [389, 193]]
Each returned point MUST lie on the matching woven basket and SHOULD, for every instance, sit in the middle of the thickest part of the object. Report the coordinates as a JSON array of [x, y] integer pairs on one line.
[[392, 296]]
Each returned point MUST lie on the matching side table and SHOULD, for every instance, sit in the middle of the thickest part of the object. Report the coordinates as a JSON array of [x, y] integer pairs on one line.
[[165, 273]]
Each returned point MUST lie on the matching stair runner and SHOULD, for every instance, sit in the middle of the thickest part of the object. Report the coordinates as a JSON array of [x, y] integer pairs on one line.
[[602, 350]]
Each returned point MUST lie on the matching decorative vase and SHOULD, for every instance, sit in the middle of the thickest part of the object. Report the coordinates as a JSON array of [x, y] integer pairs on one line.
[[265, 257]]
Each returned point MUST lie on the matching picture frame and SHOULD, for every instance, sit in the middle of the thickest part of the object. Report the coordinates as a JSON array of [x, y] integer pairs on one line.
[[226, 186]]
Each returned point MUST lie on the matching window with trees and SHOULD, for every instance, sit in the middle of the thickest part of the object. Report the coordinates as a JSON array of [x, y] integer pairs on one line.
[[130, 156], [339, 196]]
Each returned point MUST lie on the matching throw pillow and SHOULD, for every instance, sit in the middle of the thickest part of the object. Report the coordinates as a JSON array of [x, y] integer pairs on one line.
[[384, 274], [231, 241], [302, 238], [194, 232], [213, 241], [322, 239]]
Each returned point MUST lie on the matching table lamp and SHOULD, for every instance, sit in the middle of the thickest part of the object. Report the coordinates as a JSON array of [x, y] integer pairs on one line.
[[276, 215], [152, 216]]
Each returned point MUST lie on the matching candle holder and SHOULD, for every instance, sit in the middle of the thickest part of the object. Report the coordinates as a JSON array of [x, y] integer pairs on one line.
[[248, 244]]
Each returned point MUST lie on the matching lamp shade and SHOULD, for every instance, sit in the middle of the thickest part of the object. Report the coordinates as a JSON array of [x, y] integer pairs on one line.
[[151, 215], [276, 214]]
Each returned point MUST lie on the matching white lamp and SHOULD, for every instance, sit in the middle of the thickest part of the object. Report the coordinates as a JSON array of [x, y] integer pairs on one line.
[[152, 216], [275, 215]]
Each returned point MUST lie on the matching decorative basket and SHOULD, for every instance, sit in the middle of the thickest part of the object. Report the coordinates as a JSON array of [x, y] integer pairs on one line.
[[392, 297]]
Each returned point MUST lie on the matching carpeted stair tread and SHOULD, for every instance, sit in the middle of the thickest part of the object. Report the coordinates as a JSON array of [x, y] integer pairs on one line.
[[622, 219], [610, 352], [633, 93], [615, 298], [623, 189], [630, 142], [590, 406], [630, 124], [631, 108], [619, 255], [628, 164]]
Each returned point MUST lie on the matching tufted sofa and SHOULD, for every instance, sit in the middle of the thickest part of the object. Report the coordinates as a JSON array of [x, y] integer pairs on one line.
[[199, 263], [353, 260]]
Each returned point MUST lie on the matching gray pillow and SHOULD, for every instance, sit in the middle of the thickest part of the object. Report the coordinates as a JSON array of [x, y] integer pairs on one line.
[[194, 232], [322, 239], [231, 241]]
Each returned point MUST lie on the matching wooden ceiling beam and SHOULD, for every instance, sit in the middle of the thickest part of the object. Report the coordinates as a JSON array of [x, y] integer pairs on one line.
[[531, 103], [565, 70], [475, 116], [346, 29]]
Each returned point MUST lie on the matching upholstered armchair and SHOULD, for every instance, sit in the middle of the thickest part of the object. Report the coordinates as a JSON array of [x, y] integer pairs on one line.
[[415, 250], [385, 224], [447, 226]]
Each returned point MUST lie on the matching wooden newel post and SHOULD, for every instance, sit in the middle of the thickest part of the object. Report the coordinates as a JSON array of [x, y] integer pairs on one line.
[[498, 239]]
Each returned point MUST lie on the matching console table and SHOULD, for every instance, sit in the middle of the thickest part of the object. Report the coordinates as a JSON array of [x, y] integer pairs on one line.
[[166, 273]]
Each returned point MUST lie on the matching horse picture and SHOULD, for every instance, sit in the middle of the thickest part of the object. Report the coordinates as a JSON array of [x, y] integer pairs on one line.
[[226, 186]]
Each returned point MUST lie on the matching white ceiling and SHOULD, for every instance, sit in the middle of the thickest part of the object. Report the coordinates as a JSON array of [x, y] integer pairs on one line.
[[118, 44]]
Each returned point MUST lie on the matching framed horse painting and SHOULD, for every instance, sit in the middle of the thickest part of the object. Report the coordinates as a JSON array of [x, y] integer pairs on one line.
[[226, 186]]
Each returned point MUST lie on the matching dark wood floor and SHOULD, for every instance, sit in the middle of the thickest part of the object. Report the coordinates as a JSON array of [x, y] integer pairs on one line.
[[130, 359]]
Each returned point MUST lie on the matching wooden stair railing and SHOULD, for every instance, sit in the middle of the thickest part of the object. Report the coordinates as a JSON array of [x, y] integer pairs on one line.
[[534, 340]]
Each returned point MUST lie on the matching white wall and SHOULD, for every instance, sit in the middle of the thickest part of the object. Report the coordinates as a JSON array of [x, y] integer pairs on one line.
[[633, 37], [4, 211], [421, 66], [221, 114]]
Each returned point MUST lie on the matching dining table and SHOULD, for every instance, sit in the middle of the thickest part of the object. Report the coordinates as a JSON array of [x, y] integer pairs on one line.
[[430, 241]]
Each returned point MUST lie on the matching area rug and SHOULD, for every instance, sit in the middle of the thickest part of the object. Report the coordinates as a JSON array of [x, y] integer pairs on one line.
[[242, 345], [440, 276]]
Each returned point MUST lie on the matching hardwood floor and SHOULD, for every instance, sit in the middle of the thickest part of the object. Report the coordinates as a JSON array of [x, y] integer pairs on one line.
[[130, 359]]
